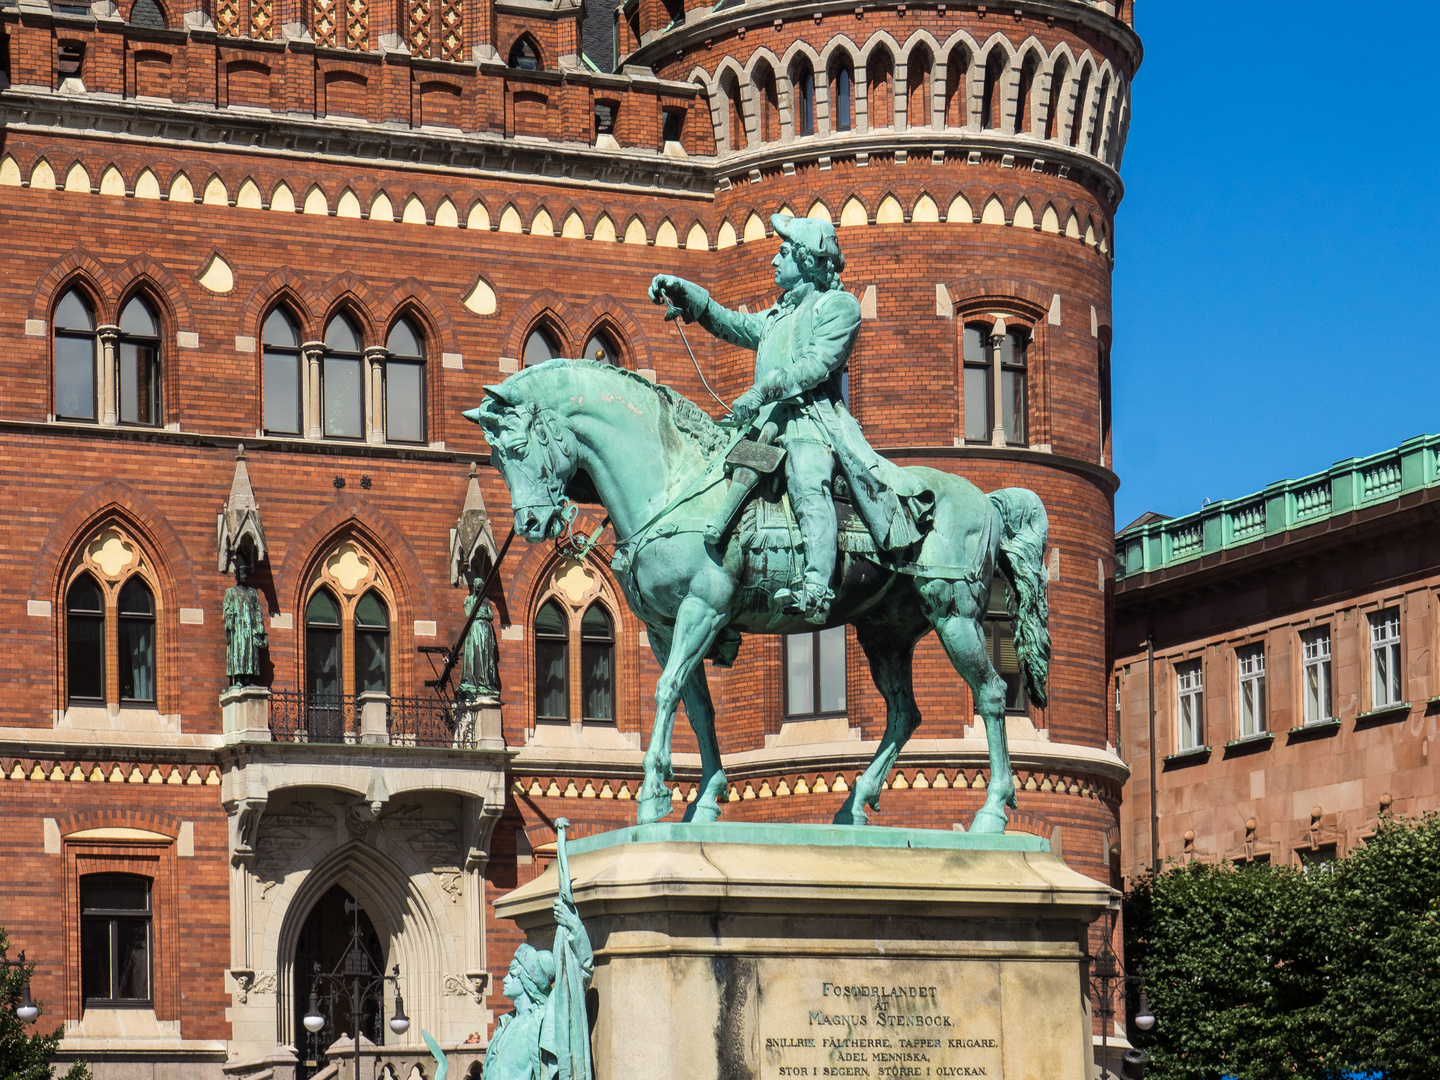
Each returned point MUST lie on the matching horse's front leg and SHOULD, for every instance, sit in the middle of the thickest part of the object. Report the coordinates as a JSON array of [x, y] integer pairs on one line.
[[701, 712], [689, 639]]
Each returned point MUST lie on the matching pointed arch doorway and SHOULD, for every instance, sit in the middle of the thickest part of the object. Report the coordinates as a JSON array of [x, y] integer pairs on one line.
[[337, 935]]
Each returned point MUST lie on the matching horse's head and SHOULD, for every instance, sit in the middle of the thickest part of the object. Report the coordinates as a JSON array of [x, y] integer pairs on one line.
[[536, 453]]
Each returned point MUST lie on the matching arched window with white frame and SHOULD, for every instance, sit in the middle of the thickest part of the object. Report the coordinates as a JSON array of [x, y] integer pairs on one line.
[[405, 383]]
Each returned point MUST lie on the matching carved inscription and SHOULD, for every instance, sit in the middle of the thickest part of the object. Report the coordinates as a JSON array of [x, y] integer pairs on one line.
[[875, 1029]]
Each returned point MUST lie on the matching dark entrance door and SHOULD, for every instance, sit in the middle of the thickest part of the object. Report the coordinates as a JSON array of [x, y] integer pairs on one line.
[[339, 936]]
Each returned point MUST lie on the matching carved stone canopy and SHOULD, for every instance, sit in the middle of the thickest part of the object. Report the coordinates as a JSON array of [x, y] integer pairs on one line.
[[471, 536], [238, 522]]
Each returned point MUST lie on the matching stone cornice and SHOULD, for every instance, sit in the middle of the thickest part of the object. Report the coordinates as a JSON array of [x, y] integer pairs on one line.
[[487, 155]]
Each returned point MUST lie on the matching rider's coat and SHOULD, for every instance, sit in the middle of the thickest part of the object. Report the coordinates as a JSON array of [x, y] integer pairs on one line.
[[802, 346]]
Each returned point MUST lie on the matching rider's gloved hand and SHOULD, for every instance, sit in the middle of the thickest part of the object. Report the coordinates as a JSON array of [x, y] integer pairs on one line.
[[746, 406], [678, 293]]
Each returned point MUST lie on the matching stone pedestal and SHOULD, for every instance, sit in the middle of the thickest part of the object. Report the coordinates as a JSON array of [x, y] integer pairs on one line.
[[478, 724], [761, 952], [245, 713]]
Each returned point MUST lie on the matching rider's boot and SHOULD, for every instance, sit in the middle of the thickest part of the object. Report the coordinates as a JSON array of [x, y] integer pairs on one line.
[[815, 515]]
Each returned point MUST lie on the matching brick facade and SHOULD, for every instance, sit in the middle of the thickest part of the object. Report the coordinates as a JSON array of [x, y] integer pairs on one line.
[[384, 162]]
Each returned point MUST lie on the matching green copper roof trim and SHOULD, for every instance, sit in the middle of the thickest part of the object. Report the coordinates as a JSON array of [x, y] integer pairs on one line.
[[1346, 486], [867, 836]]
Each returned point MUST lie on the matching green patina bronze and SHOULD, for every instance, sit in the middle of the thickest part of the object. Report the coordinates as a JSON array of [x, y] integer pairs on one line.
[[479, 657], [244, 620], [914, 549], [547, 1037]]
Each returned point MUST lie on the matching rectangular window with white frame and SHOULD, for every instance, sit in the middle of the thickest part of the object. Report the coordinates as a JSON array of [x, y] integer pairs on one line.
[[1385, 658], [1190, 705], [1251, 662], [1315, 654]]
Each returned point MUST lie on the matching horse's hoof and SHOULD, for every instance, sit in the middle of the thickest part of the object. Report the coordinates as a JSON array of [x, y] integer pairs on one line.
[[988, 821], [654, 807]]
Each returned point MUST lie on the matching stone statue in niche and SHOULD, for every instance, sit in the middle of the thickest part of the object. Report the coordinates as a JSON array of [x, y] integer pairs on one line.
[[547, 1037], [479, 657], [244, 619]]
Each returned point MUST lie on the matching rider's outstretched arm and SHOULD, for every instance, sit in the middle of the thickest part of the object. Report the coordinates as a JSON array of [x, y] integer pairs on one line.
[[695, 304]]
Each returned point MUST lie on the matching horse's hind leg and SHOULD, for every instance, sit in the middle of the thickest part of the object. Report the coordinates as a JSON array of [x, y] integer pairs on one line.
[[701, 711], [964, 642], [889, 644]]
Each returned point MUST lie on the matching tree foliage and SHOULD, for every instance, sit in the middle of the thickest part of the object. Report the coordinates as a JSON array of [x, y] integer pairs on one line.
[[25, 1055], [1261, 973]]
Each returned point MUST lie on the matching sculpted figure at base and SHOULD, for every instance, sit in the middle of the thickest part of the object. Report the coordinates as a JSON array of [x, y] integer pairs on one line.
[[714, 539], [244, 619], [547, 1037]]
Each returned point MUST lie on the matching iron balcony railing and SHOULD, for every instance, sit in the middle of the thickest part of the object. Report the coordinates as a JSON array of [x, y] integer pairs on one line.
[[1346, 486], [423, 721], [315, 718]]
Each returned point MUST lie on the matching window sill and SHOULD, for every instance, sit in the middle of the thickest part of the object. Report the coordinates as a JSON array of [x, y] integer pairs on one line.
[[1249, 743], [1383, 714], [1318, 729], [1188, 757]]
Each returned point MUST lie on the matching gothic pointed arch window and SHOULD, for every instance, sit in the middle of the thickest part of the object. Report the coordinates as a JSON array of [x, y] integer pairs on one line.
[[842, 94], [802, 96], [405, 383], [601, 346], [281, 373], [349, 626], [114, 622], [880, 89], [138, 369], [576, 648], [524, 56], [76, 358], [917, 88], [342, 379], [992, 104], [540, 346]]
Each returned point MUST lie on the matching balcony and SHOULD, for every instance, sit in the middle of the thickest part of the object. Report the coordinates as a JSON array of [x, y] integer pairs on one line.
[[254, 714]]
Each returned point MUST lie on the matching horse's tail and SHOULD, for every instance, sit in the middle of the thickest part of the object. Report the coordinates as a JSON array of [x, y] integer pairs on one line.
[[1021, 559]]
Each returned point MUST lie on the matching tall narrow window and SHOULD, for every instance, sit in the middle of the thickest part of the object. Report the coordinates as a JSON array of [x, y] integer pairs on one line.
[[136, 612], [1104, 376], [1385, 658], [1024, 92], [957, 78], [1190, 702], [601, 347], [1315, 652], [552, 663], [917, 89], [1251, 663], [1054, 122], [75, 352], [991, 105], [405, 385], [979, 397], [342, 381], [802, 97], [1014, 350], [540, 346], [281, 374], [115, 950], [1000, 644], [597, 664], [815, 673], [372, 645], [880, 90], [768, 102], [85, 640], [322, 648], [842, 92], [1077, 124], [139, 361]]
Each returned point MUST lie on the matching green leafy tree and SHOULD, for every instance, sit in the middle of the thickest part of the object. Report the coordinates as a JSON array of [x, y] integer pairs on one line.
[[1263, 973], [25, 1055]]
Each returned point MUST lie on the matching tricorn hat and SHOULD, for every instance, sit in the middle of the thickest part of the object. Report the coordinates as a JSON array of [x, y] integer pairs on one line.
[[814, 234]]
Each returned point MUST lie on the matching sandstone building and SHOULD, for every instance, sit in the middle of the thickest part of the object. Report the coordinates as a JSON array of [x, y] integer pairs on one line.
[[1275, 677], [318, 229]]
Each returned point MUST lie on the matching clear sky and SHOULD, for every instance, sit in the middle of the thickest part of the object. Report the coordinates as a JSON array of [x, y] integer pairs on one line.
[[1277, 277]]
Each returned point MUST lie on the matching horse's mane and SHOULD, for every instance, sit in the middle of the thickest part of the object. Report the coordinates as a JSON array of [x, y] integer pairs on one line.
[[689, 419]]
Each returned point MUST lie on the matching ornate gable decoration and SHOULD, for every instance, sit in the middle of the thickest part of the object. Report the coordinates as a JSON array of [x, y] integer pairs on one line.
[[238, 522]]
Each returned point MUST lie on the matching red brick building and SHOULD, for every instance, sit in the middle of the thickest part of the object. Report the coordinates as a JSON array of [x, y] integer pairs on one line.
[[318, 230], [1275, 680]]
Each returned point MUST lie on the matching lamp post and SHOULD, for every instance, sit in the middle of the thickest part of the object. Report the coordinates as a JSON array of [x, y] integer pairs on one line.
[[1105, 971], [26, 1010], [355, 977]]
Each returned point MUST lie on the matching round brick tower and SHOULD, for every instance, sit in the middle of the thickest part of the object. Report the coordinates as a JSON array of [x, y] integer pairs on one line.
[[969, 156]]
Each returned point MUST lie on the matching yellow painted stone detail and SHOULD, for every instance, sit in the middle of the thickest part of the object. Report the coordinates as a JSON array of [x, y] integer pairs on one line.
[[840, 784], [765, 792], [589, 792], [802, 788], [606, 792]]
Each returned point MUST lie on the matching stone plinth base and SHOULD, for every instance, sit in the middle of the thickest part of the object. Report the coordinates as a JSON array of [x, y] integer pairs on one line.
[[761, 952], [245, 713]]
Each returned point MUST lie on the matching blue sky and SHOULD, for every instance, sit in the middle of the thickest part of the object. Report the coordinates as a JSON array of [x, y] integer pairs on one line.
[[1277, 278]]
